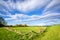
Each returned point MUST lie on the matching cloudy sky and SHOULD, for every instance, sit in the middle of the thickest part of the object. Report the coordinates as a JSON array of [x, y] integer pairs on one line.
[[31, 12]]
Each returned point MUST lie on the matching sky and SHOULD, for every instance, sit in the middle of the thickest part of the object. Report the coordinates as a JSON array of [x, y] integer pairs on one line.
[[30, 12]]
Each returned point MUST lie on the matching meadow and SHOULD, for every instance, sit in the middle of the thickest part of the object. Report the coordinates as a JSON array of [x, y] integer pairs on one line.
[[30, 33]]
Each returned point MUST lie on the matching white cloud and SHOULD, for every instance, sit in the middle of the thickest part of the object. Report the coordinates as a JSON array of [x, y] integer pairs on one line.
[[27, 18], [6, 7], [22, 17], [53, 5], [31, 5], [49, 12], [27, 5]]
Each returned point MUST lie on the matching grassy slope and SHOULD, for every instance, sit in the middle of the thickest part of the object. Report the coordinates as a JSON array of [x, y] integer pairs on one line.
[[27, 29], [7, 35], [11, 35], [52, 33]]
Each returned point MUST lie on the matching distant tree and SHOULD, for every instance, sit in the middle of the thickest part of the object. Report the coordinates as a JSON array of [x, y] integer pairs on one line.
[[25, 25], [2, 22], [19, 25]]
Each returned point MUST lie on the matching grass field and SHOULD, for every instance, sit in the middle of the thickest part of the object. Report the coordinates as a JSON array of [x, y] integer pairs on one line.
[[52, 33], [30, 33]]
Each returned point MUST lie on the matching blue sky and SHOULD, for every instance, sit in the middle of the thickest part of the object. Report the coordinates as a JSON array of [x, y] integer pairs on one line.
[[31, 12]]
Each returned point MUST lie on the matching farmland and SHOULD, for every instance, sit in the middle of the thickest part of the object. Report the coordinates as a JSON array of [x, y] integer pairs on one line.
[[30, 33]]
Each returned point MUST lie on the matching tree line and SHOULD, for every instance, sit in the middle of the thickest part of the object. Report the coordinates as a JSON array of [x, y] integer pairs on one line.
[[17, 25], [3, 23]]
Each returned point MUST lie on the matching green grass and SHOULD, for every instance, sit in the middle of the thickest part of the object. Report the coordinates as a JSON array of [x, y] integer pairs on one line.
[[27, 29], [12, 35], [8, 35], [52, 33], [49, 33]]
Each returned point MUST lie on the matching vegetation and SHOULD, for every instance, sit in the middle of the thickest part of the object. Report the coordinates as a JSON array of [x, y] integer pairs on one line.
[[30, 33], [17, 25], [2, 22], [52, 33], [24, 32]]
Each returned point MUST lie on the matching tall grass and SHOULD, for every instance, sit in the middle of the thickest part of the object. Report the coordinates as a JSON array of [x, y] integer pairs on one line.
[[30, 33]]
